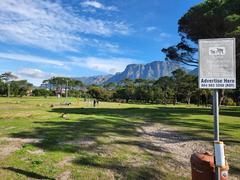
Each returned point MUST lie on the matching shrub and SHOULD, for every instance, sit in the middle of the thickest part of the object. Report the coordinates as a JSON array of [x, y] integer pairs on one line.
[[228, 102]]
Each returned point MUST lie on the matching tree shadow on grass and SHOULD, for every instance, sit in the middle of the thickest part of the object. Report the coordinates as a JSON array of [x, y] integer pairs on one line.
[[234, 170], [230, 111], [125, 170], [176, 116], [26, 173], [121, 122], [110, 122], [55, 133]]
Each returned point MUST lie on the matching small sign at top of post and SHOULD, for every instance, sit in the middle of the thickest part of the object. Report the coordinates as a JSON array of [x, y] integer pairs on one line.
[[217, 63]]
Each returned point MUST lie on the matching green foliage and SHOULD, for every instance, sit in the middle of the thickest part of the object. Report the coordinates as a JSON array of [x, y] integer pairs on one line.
[[228, 102], [21, 88], [3, 88], [61, 84], [99, 93], [181, 87], [75, 93], [16, 88], [215, 19], [209, 19], [42, 92], [7, 76]]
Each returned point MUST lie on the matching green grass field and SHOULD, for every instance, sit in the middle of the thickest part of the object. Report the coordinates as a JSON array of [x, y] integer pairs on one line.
[[103, 142]]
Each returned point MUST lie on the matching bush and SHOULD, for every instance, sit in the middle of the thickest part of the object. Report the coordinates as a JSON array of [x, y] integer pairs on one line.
[[228, 102], [41, 92]]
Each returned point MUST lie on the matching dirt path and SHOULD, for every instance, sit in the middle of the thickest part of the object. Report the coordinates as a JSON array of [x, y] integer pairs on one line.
[[180, 146], [12, 145]]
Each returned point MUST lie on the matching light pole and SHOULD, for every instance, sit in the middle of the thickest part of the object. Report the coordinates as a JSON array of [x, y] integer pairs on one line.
[[67, 90], [8, 89]]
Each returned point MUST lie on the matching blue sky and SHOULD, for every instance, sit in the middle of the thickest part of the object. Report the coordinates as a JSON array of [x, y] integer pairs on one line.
[[40, 39]]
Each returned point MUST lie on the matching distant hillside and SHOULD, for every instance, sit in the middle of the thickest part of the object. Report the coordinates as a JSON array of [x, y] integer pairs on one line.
[[194, 72], [153, 71], [98, 80]]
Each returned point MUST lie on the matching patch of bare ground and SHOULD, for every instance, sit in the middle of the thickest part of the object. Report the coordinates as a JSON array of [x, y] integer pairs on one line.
[[9, 116], [22, 140], [84, 142], [66, 175], [36, 152], [180, 146], [6, 150], [65, 162], [12, 145]]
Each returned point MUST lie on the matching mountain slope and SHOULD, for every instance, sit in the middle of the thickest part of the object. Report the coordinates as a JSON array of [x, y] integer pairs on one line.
[[153, 71], [97, 80], [194, 72]]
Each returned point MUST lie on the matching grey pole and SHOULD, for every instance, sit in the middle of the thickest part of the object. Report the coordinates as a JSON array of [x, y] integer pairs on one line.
[[216, 126], [8, 89], [67, 90], [66, 93]]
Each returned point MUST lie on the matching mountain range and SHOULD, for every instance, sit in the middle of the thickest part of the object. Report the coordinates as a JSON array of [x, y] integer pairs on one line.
[[152, 71]]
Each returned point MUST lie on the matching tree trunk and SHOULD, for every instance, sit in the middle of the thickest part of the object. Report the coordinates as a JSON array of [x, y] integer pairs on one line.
[[222, 95], [188, 100]]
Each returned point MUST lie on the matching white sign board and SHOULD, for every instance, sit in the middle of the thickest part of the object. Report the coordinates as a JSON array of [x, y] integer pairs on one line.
[[217, 63]]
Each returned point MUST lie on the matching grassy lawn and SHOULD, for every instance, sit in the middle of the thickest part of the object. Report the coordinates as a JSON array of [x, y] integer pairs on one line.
[[103, 142]]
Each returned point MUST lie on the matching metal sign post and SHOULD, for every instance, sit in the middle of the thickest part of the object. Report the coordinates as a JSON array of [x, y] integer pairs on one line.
[[216, 126], [217, 70]]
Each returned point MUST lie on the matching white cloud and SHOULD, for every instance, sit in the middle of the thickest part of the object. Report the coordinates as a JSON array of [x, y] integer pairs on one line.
[[106, 65], [30, 59], [34, 73], [104, 46], [97, 5], [151, 28], [162, 36], [52, 26]]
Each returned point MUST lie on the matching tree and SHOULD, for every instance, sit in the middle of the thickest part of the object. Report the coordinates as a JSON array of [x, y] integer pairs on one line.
[[110, 86], [143, 90], [7, 77], [41, 92], [189, 87], [182, 53], [21, 88], [61, 83], [99, 93], [178, 78], [209, 19], [166, 85], [3, 88]]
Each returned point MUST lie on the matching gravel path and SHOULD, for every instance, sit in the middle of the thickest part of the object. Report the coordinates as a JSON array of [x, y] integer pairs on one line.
[[180, 146]]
